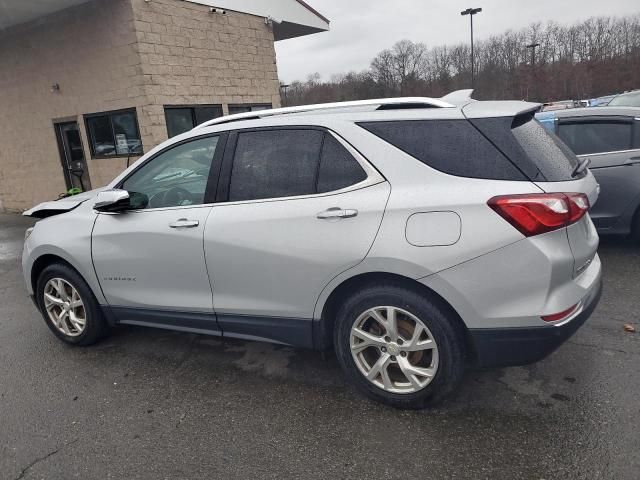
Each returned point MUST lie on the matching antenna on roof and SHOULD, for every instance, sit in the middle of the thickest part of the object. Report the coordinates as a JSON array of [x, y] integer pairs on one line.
[[459, 96]]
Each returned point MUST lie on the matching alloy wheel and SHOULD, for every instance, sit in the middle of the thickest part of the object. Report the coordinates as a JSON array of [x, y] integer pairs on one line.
[[64, 307], [394, 349]]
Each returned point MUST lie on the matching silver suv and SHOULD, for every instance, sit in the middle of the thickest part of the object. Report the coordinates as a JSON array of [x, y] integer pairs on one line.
[[413, 236]]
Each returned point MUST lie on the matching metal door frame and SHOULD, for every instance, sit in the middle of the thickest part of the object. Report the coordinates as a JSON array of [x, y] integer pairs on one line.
[[65, 156]]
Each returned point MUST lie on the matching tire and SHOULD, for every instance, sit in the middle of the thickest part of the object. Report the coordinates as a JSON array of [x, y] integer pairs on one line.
[[446, 362], [95, 327], [635, 227]]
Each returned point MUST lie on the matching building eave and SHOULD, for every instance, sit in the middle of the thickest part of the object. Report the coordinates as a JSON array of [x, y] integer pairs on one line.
[[290, 18]]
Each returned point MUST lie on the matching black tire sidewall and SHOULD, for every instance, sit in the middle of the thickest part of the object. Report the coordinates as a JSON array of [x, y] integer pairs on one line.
[[95, 327], [448, 339]]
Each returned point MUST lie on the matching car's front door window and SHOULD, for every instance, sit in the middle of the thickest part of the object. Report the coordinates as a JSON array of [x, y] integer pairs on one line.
[[177, 177]]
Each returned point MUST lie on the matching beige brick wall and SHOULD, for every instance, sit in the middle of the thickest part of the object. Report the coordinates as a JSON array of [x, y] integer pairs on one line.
[[191, 56], [89, 51], [113, 54]]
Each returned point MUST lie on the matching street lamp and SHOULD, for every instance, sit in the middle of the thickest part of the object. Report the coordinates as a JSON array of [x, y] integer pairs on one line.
[[533, 47], [471, 12]]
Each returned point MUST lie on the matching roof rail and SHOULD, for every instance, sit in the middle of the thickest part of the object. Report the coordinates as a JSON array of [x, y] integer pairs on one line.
[[380, 103]]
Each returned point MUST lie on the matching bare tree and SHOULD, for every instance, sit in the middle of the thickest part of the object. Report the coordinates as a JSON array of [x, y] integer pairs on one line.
[[596, 57]]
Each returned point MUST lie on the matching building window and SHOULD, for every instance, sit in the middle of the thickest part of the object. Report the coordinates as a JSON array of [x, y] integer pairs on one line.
[[113, 134], [182, 118], [249, 107]]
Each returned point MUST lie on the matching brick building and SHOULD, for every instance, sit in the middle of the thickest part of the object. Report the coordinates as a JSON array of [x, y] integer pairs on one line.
[[87, 86]]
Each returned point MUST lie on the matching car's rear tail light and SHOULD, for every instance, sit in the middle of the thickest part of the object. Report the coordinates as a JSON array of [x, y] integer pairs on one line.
[[560, 315], [533, 214]]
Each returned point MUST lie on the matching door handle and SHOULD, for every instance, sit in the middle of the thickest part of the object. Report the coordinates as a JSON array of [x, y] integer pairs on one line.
[[337, 212], [184, 223], [633, 161]]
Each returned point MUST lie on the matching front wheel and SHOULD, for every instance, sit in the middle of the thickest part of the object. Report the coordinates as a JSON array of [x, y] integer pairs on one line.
[[399, 347], [69, 307]]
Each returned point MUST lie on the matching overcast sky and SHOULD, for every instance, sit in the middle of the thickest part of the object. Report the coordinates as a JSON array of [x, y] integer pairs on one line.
[[361, 28]]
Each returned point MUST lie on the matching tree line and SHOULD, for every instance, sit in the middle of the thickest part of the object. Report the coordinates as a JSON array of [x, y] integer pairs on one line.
[[599, 56]]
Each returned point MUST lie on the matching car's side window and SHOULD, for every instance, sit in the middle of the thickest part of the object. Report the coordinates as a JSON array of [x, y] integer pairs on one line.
[[176, 177], [338, 168], [275, 163], [597, 136], [290, 162]]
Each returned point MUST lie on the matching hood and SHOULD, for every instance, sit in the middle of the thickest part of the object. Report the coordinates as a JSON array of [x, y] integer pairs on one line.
[[62, 205]]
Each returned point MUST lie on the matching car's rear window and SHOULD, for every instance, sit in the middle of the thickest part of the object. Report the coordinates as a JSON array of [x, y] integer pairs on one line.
[[537, 152], [631, 99], [450, 146]]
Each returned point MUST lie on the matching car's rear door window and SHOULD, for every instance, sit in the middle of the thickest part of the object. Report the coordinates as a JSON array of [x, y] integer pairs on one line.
[[275, 163], [282, 162], [596, 136], [338, 168]]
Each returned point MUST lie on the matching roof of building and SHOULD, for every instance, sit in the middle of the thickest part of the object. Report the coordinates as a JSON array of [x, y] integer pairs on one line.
[[290, 18]]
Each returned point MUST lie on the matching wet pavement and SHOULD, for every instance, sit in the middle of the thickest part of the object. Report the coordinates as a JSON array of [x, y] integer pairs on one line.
[[155, 404]]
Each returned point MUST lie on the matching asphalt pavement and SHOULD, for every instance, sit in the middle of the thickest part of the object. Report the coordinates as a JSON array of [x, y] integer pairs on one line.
[[153, 404]]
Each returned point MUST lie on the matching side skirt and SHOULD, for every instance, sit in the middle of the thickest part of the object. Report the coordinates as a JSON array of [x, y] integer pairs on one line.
[[295, 332]]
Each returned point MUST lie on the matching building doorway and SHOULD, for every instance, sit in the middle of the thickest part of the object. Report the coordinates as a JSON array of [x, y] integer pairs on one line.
[[74, 163]]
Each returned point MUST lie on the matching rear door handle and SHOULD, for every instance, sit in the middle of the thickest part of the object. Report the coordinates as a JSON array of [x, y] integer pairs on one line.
[[184, 223], [633, 161], [337, 212]]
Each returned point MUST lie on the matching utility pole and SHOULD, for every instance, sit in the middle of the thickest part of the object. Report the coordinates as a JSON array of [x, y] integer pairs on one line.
[[285, 89], [533, 47], [471, 12]]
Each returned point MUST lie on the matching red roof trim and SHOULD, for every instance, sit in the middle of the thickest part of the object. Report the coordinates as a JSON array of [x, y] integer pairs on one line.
[[313, 10]]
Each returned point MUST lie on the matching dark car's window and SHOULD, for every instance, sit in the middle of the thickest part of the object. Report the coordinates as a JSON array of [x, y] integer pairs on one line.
[[338, 168], [275, 163], [176, 177], [596, 137], [451, 146]]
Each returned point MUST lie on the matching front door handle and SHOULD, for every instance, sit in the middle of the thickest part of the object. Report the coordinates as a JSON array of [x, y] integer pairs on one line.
[[632, 161], [337, 212], [184, 223]]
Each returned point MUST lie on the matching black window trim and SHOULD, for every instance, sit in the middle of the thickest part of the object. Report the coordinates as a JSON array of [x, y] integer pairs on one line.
[[108, 114], [623, 119], [374, 176], [192, 107], [251, 105], [214, 172]]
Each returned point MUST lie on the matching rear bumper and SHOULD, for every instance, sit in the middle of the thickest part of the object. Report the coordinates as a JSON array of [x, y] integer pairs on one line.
[[503, 347]]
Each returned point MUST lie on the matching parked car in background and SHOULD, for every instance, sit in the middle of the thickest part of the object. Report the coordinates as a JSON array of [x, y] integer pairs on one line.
[[610, 138], [629, 99], [412, 236]]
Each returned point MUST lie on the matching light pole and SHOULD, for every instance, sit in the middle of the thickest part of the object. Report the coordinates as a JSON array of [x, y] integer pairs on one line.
[[285, 89], [471, 12], [533, 47]]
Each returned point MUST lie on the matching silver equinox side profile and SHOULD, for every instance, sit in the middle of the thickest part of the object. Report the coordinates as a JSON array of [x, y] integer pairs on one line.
[[412, 236]]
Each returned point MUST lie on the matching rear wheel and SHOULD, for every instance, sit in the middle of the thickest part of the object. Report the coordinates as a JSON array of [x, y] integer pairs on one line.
[[69, 307], [399, 347]]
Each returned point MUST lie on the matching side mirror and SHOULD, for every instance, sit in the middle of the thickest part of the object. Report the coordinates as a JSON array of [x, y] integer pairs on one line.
[[113, 201]]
